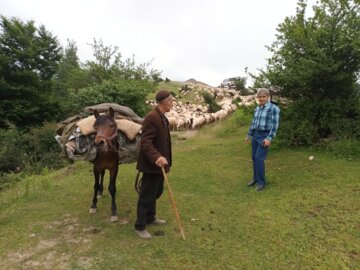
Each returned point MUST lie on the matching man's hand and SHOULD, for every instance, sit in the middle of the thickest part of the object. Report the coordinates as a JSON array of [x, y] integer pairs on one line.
[[161, 162], [266, 143], [247, 141]]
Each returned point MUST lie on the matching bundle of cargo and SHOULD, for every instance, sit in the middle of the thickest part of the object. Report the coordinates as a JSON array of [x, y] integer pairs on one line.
[[76, 134]]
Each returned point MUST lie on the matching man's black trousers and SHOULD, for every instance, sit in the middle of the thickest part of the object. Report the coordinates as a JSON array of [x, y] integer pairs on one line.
[[152, 186]]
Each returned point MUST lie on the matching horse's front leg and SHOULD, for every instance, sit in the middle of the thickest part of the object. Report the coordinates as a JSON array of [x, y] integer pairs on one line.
[[112, 190], [96, 189], [101, 186]]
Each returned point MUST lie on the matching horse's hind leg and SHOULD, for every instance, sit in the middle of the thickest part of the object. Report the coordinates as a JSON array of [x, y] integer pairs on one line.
[[112, 190], [101, 185], [96, 189]]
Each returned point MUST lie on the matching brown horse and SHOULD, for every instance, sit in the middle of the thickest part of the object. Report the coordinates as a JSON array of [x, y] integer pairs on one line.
[[107, 158]]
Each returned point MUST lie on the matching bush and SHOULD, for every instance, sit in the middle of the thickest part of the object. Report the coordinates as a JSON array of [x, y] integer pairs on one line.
[[130, 93], [296, 133], [346, 128], [173, 94], [348, 149], [10, 149], [29, 152], [8, 179], [41, 149], [306, 122], [213, 106]]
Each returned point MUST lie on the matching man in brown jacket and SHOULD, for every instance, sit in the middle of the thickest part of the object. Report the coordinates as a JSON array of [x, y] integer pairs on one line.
[[155, 152]]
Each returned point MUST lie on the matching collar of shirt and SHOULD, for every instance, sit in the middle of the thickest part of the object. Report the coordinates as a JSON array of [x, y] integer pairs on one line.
[[265, 105]]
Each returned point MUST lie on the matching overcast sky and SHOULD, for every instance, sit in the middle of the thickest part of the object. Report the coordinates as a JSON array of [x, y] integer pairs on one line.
[[208, 40]]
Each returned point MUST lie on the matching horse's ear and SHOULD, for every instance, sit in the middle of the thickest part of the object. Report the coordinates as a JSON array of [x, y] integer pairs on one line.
[[96, 114], [111, 112]]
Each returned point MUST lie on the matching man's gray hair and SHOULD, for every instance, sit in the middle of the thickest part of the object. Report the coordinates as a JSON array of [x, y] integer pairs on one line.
[[262, 91]]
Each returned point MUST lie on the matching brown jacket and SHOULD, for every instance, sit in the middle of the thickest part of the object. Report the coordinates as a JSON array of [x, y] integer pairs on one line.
[[155, 142]]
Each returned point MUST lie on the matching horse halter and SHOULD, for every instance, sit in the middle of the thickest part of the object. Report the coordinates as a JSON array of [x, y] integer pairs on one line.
[[108, 140]]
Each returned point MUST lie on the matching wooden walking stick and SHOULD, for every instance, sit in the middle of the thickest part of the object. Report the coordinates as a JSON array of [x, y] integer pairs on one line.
[[173, 203]]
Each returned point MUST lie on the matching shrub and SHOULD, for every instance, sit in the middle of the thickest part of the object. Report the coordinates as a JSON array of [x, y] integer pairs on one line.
[[348, 149], [296, 133], [130, 93], [10, 149], [7, 179], [173, 93], [346, 128], [306, 122], [41, 149], [213, 106]]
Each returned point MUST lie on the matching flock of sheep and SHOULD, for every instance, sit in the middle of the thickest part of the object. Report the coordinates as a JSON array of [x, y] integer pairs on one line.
[[193, 115]]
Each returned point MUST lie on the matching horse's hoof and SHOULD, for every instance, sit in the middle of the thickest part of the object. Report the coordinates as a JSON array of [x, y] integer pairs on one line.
[[99, 196], [114, 218], [92, 210]]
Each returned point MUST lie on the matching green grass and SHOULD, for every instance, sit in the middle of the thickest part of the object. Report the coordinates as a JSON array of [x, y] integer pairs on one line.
[[307, 218]]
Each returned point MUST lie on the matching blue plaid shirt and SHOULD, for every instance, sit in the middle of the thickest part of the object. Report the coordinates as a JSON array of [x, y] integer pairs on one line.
[[265, 118]]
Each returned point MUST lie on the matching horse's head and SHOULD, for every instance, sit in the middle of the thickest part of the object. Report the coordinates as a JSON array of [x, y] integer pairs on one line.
[[106, 130]]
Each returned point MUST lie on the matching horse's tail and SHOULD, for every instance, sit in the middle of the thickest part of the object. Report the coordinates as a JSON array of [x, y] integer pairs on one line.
[[138, 182]]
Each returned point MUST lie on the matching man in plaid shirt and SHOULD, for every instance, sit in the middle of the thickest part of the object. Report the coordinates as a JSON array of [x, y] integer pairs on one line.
[[262, 130]]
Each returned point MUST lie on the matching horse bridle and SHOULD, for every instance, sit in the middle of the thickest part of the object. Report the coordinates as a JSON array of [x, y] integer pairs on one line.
[[109, 140]]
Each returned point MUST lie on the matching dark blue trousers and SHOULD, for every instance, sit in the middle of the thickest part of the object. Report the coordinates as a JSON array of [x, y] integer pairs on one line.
[[259, 153]]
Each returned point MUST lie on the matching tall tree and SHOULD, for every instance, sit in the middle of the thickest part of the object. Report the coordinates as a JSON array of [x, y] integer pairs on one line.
[[114, 80], [318, 56], [109, 65], [70, 75], [28, 59], [316, 63]]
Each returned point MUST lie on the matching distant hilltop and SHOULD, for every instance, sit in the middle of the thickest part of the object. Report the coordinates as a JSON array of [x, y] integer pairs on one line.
[[195, 82]]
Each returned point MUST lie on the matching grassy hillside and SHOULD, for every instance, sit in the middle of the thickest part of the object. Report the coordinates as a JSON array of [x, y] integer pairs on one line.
[[307, 218]]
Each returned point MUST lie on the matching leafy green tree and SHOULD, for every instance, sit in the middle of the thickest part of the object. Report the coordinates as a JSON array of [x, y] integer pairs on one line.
[[28, 59], [318, 57], [130, 93], [240, 83], [315, 64], [114, 80], [108, 65], [70, 75], [47, 53]]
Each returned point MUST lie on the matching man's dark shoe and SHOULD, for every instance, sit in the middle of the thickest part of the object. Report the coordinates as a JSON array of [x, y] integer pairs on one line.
[[260, 187], [252, 183]]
